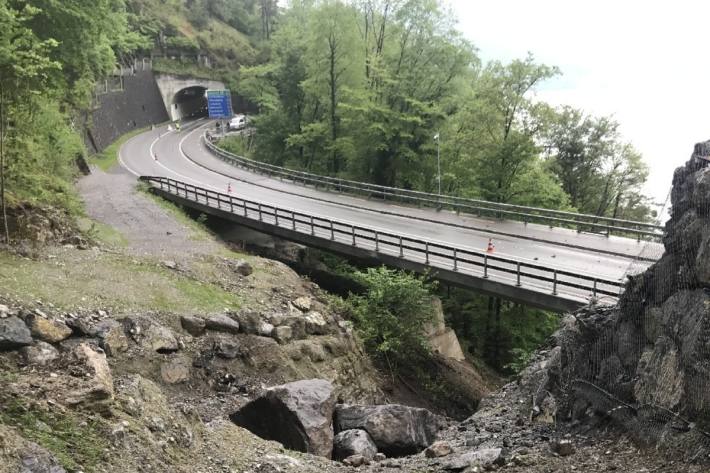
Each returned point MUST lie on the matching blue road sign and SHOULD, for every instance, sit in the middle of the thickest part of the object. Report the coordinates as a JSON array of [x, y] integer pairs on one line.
[[219, 104]]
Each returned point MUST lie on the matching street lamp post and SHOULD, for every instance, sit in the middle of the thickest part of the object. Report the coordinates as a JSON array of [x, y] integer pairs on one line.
[[438, 161]]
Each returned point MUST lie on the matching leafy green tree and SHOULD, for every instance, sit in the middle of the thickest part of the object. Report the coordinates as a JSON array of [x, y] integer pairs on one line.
[[25, 70], [392, 315], [601, 174]]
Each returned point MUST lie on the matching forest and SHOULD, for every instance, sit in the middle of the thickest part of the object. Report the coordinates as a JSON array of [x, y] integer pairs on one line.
[[367, 90]]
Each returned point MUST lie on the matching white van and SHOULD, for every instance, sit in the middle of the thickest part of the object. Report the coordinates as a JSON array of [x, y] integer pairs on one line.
[[238, 122]]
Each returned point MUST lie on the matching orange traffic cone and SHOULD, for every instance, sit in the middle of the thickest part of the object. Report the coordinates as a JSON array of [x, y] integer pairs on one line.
[[491, 248], [229, 187]]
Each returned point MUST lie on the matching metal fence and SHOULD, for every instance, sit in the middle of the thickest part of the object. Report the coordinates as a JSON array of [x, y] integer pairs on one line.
[[566, 284], [553, 218]]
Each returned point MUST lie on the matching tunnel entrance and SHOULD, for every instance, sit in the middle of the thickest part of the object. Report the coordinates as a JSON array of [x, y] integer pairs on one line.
[[190, 102]]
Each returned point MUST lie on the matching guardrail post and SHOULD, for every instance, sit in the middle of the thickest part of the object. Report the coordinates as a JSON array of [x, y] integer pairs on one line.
[[293, 220], [518, 274], [485, 266], [594, 289], [259, 209], [276, 216], [608, 230], [638, 235], [332, 232], [554, 284], [377, 241], [401, 248], [456, 266], [426, 251], [352, 229], [245, 208], [313, 227]]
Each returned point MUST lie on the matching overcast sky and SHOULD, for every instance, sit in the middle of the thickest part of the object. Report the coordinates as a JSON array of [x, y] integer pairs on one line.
[[645, 63]]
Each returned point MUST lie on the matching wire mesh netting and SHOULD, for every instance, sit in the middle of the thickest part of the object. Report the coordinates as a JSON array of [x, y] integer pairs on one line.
[[645, 363]]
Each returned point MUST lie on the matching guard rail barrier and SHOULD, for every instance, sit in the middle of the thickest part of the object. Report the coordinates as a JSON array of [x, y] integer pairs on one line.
[[559, 218], [437, 255]]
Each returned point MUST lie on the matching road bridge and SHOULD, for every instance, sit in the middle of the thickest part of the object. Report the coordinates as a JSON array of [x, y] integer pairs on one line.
[[554, 268]]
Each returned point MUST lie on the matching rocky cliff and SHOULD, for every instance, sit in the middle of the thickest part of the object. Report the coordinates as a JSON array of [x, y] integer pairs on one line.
[[645, 363]]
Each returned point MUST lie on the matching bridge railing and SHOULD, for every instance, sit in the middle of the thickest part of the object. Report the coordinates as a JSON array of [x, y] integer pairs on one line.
[[558, 218], [519, 272]]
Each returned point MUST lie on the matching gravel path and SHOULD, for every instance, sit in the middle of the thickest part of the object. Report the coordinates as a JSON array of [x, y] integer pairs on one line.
[[112, 199]]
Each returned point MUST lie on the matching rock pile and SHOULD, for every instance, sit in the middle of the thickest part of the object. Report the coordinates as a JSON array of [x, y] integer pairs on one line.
[[303, 416]]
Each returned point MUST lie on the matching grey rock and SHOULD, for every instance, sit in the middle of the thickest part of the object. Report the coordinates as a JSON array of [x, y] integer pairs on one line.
[[283, 334], [161, 339], [243, 268], [353, 442], [396, 430], [222, 323], [175, 370], [249, 321], [303, 303], [356, 461], [315, 324], [112, 338], [297, 324], [562, 447], [41, 354], [94, 390], [4, 311], [14, 334], [478, 458], [265, 329], [226, 348], [36, 459], [195, 326], [438, 449], [50, 331], [298, 414]]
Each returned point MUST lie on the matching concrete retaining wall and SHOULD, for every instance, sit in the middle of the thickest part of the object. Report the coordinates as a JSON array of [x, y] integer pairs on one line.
[[138, 105]]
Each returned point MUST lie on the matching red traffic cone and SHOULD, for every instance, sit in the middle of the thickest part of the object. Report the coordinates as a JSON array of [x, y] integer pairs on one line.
[[229, 187], [491, 248]]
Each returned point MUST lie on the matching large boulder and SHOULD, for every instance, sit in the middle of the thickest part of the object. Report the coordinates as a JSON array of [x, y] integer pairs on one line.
[[50, 331], [353, 442], [91, 386], [396, 430], [40, 354], [483, 458], [111, 337], [14, 334], [195, 326], [298, 414], [150, 334], [222, 323]]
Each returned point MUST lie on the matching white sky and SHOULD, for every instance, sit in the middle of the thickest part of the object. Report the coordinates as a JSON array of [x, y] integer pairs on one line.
[[645, 63]]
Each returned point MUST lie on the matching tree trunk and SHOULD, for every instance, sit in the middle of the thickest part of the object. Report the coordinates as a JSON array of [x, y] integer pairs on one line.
[[3, 130], [333, 51]]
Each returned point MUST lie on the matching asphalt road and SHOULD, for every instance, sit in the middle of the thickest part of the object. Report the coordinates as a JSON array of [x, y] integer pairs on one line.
[[182, 156]]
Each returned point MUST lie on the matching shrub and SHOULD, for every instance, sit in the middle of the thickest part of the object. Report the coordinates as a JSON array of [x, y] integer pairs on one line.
[[392, 314]]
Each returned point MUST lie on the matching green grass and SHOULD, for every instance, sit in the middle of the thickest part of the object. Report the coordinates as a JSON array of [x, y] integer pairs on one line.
[[108, 158], [77, 445], [111, 281], [101, 232], [199, 229]]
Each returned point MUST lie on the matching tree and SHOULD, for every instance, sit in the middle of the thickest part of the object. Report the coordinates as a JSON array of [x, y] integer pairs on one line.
[[601, 174], [25, 69], [392, 315]]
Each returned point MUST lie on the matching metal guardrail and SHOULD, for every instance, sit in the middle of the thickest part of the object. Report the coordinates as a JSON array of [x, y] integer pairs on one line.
[[580, 222], [560, 282]]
